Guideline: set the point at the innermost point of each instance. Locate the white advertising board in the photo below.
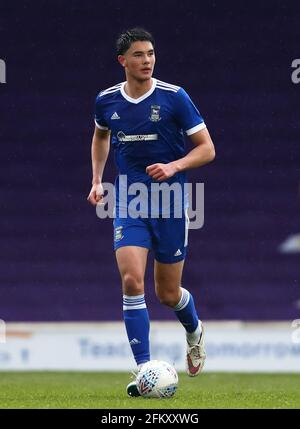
(231, 346)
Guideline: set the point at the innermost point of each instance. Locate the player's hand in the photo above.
(161, 172)
(96, 195)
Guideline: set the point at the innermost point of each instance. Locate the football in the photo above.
(157, 379)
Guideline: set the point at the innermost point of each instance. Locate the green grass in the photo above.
(107, 391)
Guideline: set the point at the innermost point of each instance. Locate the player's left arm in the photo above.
(201, 154)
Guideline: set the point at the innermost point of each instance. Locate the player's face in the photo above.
(139, 60)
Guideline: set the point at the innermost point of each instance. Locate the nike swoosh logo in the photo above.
(193, 369)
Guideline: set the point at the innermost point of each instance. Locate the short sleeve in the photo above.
(99, 117)
(187, 113)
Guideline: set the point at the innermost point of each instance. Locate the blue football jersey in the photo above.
(149, 129)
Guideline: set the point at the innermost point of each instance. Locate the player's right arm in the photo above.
(99, 153)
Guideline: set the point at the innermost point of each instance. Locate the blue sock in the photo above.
(137, 324)
(186, 312)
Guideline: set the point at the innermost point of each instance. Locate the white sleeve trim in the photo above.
(195, 129)
(100, 126)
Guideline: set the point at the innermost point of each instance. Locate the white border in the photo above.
(101, 127)
(143, 97)
(195, 129)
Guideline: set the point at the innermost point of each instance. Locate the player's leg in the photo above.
(132, 242)
(132, 264)
(170, 248)
(167, 279)
(169, 292)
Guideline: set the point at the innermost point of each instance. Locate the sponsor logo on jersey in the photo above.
(122, 137)
(154, 116)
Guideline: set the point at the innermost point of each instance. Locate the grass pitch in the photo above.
(104, 390)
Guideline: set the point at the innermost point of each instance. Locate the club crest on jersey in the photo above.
(155, 111)
(118, 233)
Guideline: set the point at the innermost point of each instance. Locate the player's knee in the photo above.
(133, 284)
(170, 299)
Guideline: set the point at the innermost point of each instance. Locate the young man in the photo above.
(145, 119)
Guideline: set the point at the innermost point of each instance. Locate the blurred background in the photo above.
(234, 59)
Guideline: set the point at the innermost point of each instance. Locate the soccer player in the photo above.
(145, 119)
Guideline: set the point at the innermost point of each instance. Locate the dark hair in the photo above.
(125, 39)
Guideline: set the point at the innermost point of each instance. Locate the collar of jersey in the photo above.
(138, 100)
